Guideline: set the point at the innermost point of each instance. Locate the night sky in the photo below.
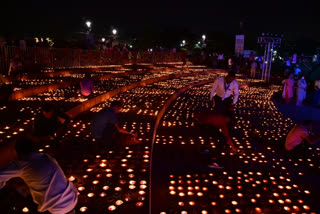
(58, 17)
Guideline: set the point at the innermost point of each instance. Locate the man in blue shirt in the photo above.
(106, 129)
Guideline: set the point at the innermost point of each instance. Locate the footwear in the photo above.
(215, 166)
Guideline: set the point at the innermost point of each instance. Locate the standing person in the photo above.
(222, 90)
(230, 64)
(214, 62)
(316, 96)
(106, 129)
(253, 69)
(301, 90)
(86, 85)
(48, 185)
(16, 66)
(220, 60)
(287, 93)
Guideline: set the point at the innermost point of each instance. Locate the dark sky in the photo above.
(58, 17)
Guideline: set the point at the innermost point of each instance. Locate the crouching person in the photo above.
(107, 131)
(48, 185)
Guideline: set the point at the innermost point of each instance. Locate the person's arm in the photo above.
(8, 172)
(214, 87)
(236, 93)
(307, 138)
(312, 139)
(63, 118)
(124, 131)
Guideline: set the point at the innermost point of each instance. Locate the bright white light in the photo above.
(114, 31)
(183, 41)
(88, 23)
(204, 37)
(130, 46)
(199, 43)
(103, 39)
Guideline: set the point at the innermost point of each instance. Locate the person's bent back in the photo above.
(48, 185)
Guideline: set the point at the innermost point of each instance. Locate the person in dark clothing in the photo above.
(50, 124)
(107, 131)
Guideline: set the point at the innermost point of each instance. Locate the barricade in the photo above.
(38, 58)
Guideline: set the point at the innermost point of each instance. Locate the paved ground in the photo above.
(260, 178)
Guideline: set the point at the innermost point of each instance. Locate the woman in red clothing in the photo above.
(287, 93)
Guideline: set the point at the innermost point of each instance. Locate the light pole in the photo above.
(114, 32)
(88, 24)
(269, 41)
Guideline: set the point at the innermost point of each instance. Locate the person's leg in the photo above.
(217, 101)
(215, 151)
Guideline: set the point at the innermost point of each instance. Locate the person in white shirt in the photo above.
(223, 89)
(301, 90)
(48, 185)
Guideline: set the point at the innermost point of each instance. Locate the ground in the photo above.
(259, 178)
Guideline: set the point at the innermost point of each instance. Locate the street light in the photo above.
(114, 31)
(103, 39)
(88, 23)
(204, 37)
(184, 42)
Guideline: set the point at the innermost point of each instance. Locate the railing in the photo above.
(36, 58)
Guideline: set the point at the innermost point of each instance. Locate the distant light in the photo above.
(114, 31)
(88, 23)
(199, 43)
(130, 46)
(204, 37)
(103, 39)
(183, 41)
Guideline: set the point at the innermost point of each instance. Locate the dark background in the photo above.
(165, 20)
